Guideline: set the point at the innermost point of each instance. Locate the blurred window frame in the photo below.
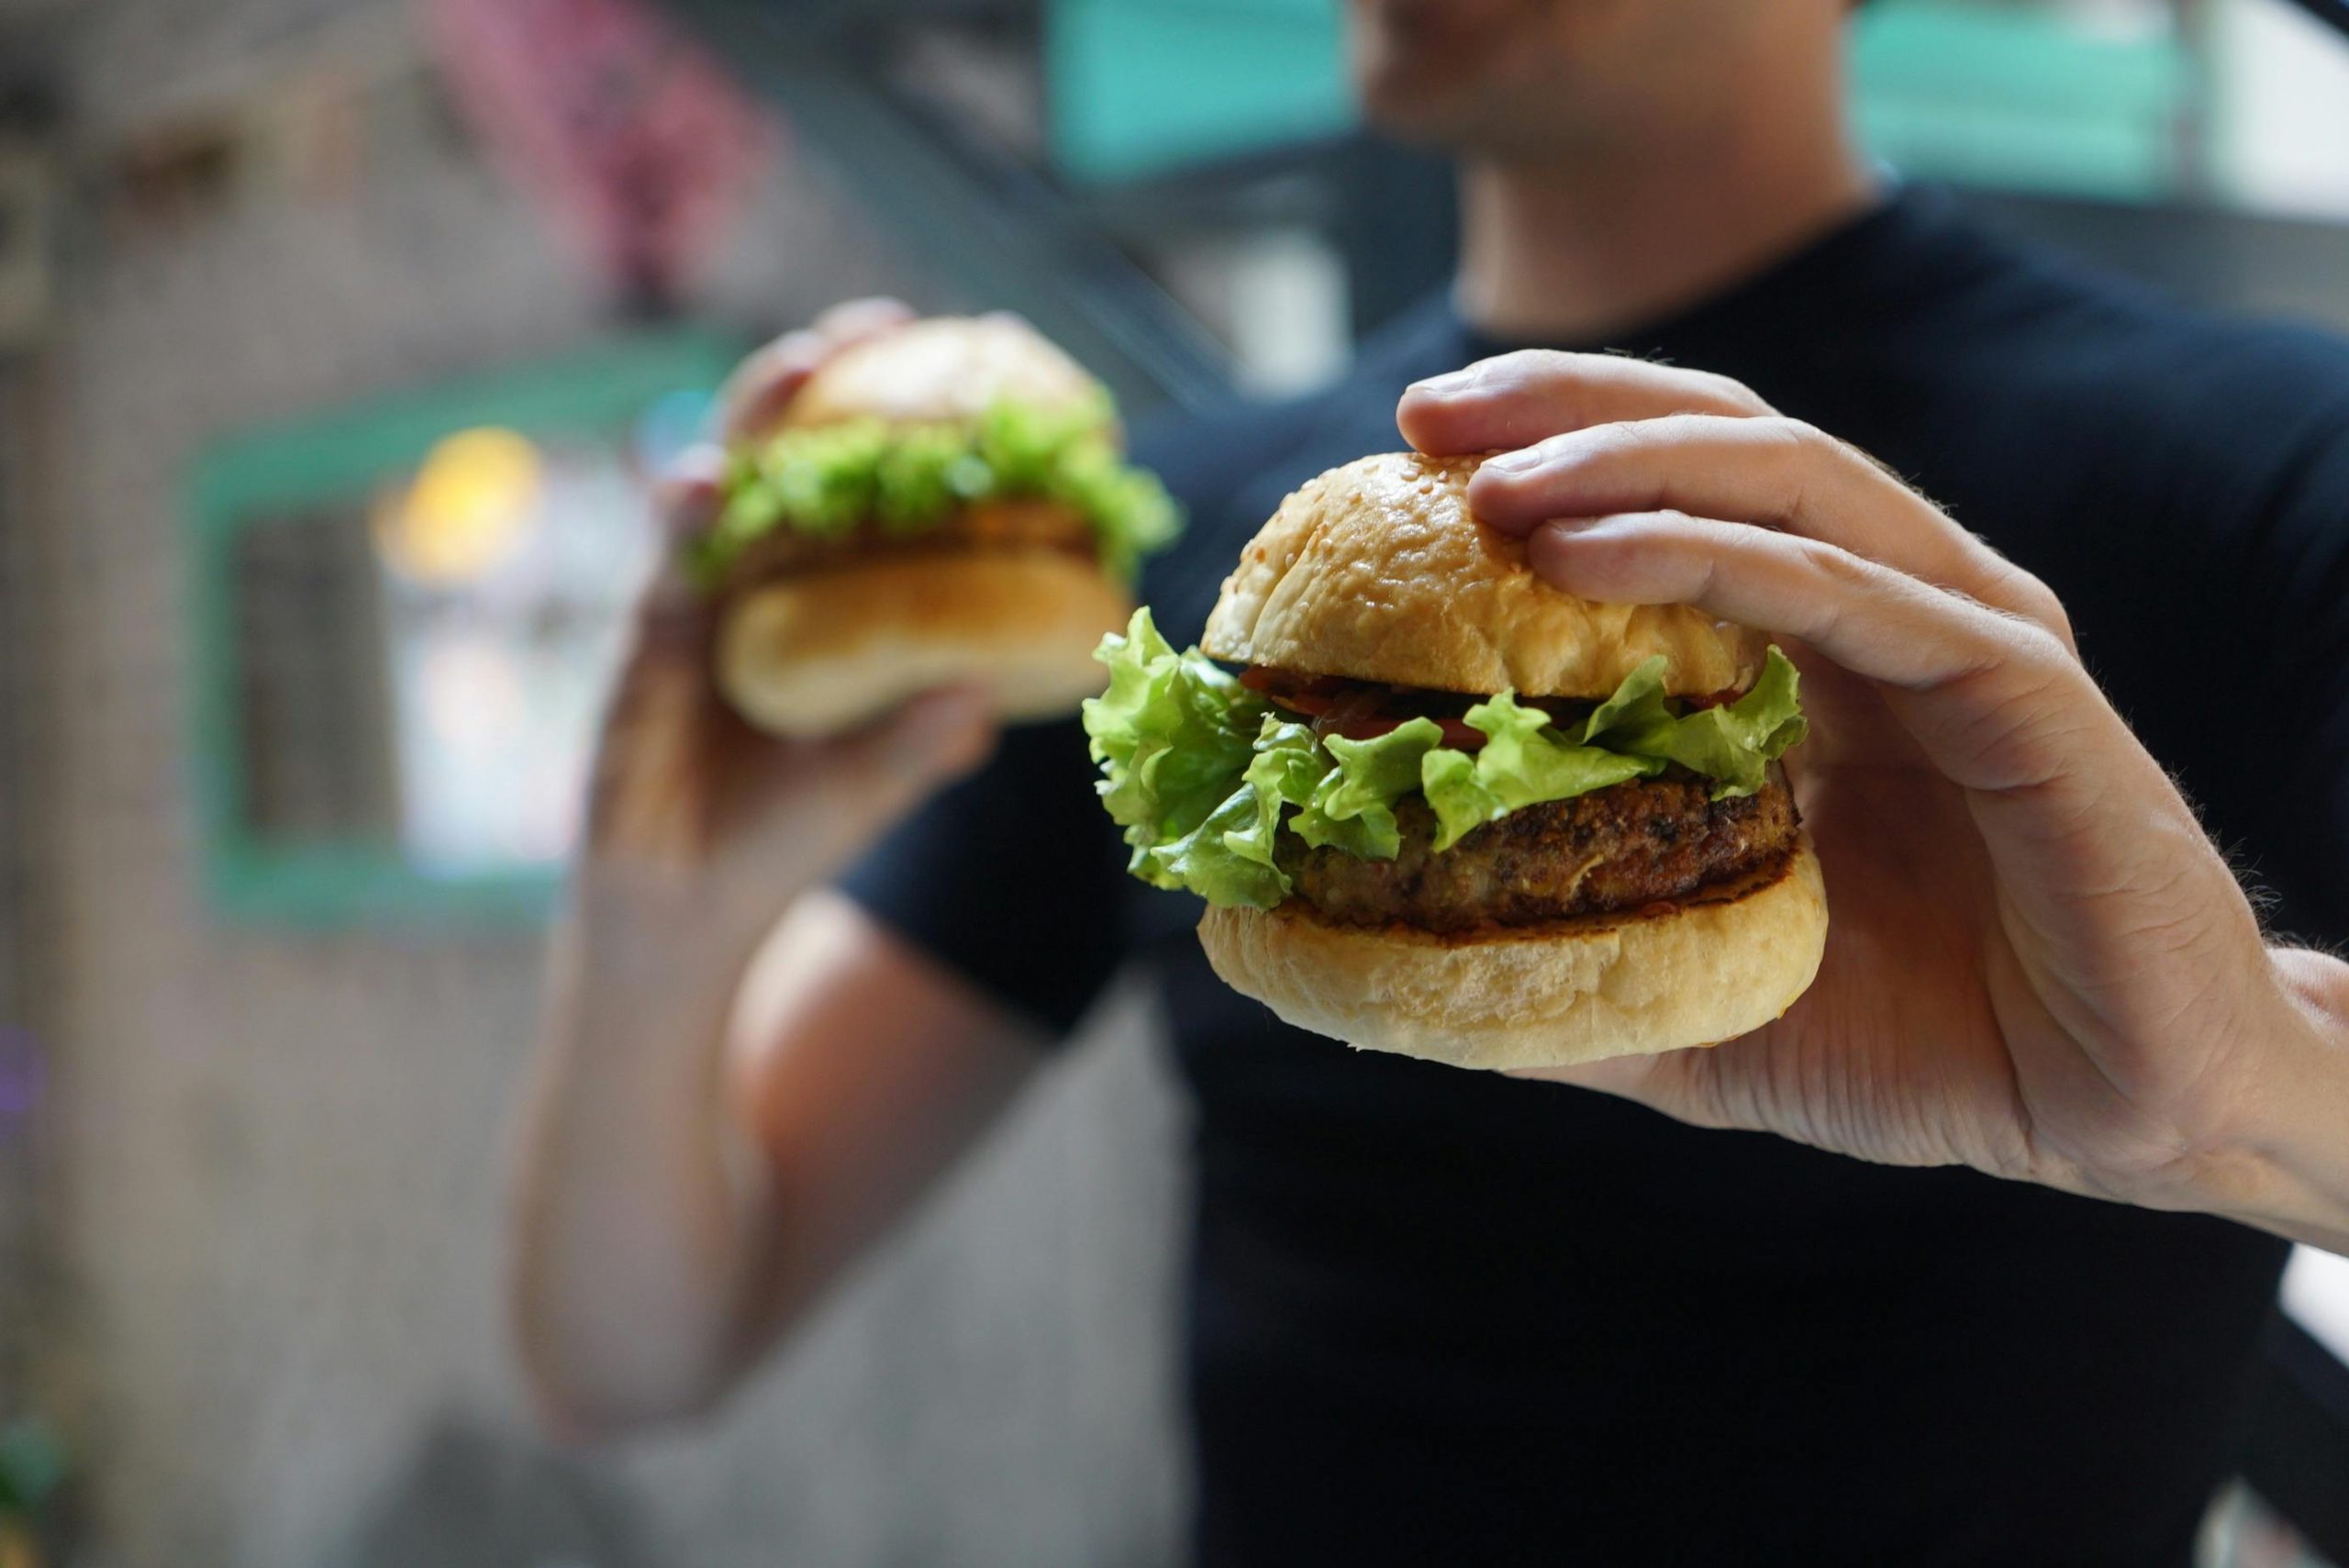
(342, 458)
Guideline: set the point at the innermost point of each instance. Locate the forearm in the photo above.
(637, 1219)
(2292, 1175)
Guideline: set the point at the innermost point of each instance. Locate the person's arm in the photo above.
(699, 1156)
(2037, 963)
(696, 1171)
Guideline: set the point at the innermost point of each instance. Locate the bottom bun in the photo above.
(825, 650)
(1580, 990)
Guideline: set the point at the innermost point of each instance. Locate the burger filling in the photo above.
(1630, 846)
(1016, 478)
(1375, 805)
(1011, 525)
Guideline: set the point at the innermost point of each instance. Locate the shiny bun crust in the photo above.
(825, 650)
(1377, 571)
(1549, 997)
(942, 369)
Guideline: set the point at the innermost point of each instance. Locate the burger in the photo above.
(946, 502)
(1443, 809)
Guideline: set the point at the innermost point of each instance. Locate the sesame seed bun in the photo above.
(1378, 571)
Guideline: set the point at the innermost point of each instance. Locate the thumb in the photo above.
(936, 737)
(874, 775)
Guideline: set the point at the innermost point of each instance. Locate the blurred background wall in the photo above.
(271, 1161)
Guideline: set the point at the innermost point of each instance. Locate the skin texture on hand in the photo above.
(689, 796)
(2038, 964)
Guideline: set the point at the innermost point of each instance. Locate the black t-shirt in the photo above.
(1438, 1316)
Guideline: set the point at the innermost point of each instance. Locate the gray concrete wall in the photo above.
(280, 1161)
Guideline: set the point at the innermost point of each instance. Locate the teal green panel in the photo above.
(1139, 86)
(2003, 95)
(2014, 95)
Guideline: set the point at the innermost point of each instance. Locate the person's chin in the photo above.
(1461, 100)
(1458, 129)
(1405, 100)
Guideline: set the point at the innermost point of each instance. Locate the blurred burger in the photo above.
(946, 502)
(1445, 810)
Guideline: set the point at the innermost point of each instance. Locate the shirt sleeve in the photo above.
(1012, 877)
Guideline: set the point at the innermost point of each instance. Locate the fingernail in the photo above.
(1449, 385)
(1523, 461)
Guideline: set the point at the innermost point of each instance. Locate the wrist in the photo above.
(633, 923)
(2287, 1168)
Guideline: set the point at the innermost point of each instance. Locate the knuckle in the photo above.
(2041, 605)
(1552, 373)
(1611, 438)
(1732, 393)
(1687, 427)
(1610, 460)
(855, 318)
(1789, 450)
(1839, 570)
(1798, 437)
(2041, 657)
(793, 351)
(1520, 368)
(2022, 732)
(2023, 676)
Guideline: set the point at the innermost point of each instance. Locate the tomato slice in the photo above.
(1354, 710)
(1461, 735)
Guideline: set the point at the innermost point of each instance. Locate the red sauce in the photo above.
(1358, 710)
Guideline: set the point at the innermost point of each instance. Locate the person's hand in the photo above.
(687, 799)
(2037, 964)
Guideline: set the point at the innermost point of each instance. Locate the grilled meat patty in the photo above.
(986, 525)
(1647, 842)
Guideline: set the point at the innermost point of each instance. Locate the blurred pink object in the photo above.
(622, 126)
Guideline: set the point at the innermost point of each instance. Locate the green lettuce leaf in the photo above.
(1204, 861)
(1287, 765)
(1167, 731)
(827, 480)
(1732, 744)
(1524, 761)
(1353, 806)
(1204, 775)
(1175, 737)
(922, 474)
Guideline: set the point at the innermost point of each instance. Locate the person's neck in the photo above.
(1571, 249)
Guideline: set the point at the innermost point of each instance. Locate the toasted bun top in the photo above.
(942, 369)
(1377, 571)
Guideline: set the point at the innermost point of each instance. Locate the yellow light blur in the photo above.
(472, 500)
